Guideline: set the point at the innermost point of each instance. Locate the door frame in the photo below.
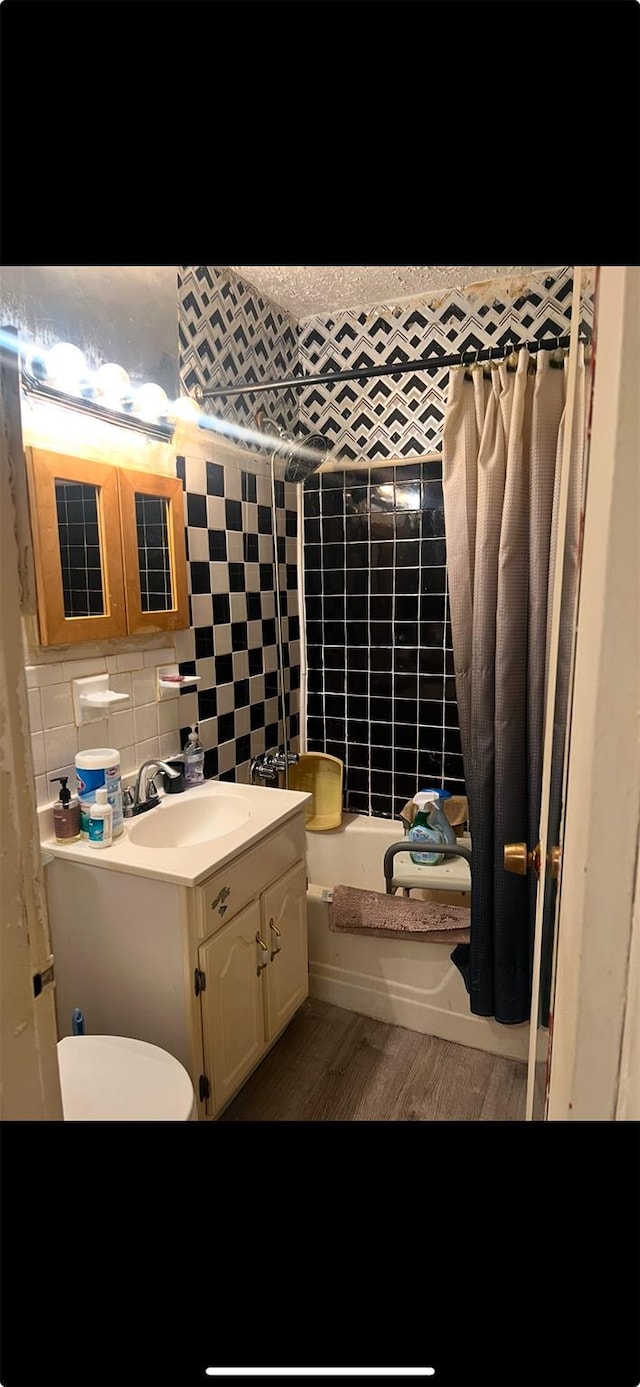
(595, 1053)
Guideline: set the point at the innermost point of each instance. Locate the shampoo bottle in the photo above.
(423, 831)
(66, 814)
(193, 759)
(101, 821)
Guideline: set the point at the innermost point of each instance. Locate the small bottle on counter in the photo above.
(101, 821)
(193, 759)
(66, 814)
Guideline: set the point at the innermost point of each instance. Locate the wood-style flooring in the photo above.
(333, 1065)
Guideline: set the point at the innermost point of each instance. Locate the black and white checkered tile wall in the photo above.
(381, 688)
(387, 417)
(232, 642)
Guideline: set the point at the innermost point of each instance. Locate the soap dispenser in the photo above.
(193, 759)
(66, 813)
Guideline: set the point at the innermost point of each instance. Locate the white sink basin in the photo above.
(178, 823)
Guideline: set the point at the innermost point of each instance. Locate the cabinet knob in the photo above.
(261, 945)
(274, 930)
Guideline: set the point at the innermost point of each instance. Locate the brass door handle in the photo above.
(519, 860)
(261, 945)
(554, 857)
(274, 929)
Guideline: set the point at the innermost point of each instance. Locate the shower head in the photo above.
(301, 457)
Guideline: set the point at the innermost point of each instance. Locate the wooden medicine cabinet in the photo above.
(109, 549)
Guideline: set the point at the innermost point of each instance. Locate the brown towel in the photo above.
(456, 810)
(370, 912)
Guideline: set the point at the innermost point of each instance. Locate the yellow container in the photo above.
(319, 775)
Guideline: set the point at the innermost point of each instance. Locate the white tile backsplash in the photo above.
(146, 750)
(166, 656)
(35, 710)
(146, 721)
(37, 748)
(185, 641)
(188, 709)
(226, 699)
(61, 745)
(40, 675)
(202, 616)
(82, 669)
(145, 686)
(121, 683)
(128, 662)
(168, 719)
(169, 745)
(121, 729)
(196, 475)
(57, 705)
(93, 734)
(226, 756)
(199, 544)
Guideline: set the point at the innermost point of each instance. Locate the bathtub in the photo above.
(407, 982)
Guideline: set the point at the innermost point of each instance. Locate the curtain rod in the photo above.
(400, 368)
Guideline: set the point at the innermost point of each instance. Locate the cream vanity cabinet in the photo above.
(211, 972)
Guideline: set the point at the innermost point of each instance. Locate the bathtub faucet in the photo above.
(269, 765)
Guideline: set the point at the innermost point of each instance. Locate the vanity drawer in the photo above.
(230, 890)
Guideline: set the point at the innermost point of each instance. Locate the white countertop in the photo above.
(185, 866)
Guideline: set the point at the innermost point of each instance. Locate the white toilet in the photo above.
(110, 1078)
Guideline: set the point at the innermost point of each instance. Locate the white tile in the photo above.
(232, 483)
(44, 791)
(52, 780)
(127, 759)
(238, 605)
(145, 686)
(219, 577)
(146, 722)
(216, 513)
(271, 710)
(235, 546)
(38, 676)
(202, 614)
(121, 683)
(145, 751)
(207, 671)
(166, 656)
(57, 705)
(243, 722)
(252, 577)
(169, 745)
(240, 664)
(222, 640)
(268, 604)
(270, 659)
(256, 688)
(112, 664)
(263, 487)
(128, 662)
(188, 709)
(121, 729)
(196, 475)
(242, 773)
(82, 669)
(37, 750)
(93, 734)
(257, 741)
(226, 699)
(35, 709)
(226, 756)
(198, 544)
(60, 745)
(208, 730)
(254, 634)
(168, 717)
(265, 549)
(186, 640)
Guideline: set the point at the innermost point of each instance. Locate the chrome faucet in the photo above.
(139, 800)
(269, 765)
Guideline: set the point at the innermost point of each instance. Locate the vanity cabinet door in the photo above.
(284, 929)
(232, 1008)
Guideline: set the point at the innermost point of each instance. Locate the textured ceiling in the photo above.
(304, 290)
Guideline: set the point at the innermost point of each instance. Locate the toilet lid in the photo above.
(111, 1078)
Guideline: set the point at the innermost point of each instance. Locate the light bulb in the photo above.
(184, 409)
(113, 386)
(150, 402)
(66, 368)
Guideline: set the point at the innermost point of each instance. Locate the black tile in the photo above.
(407, 579)
(221, 609)
(271, 684)
(233, 515)
(357, 633)
(381, 658)
(381, 684)
(335, 681)
(381, 581)
(405, 685)
(207, 703)
(333, 608)
(359, 754)
(314, 657)
(333, 530)
(404, 784)
(357, 658)
(381, 734)
(405, 734)
(256, 716)
(215, 479)
(315, 705)
(224, 669)
(429, 763)
(204, 642)
(312, 582)
(430, 688)
(357, 706)
(181, 470)
(432, 608)
(382, 806)
(256, 660)
(383, 528)
(381, 496)
(357, 528)
(381, 555)
(381, 633)
(450, 690)
(357, 803)
(432, 633)
(430, 739)
(313, 608)
(333, 555)
(200, 581)
(406, 710)
(451, 714)
(433, 580)
(406, 607)
(226, 728)
(196, 510)
(358, 732)
(332, 481)
(405, 659)
(250, 548)
(315, 730)
(236, 577)
(249, 488)
(268, 631)
(408, 553)
(381, 709)
(243, 749)
(430, 713)
(357, 579)
(431, 660)
(239, 635)
(311, 503)
(358, 780)
(432, 497)
(356, 500)
(334, 657)
(334, 633)
(433, 524)
(382, 758)
(433, 553)
(408, 526)
(266, 577)
(405, 762)
(312, 532)
(381, 608)
(381, 782)
(315, 633)
(332, 503)
(357, 556)
(335, 729)
(452, 740)
(405, 633)
(291, 523)
(292, 576)
(265, 525)
(357, 607)
(210, 762)
(279, 492)
(313, 556)
(241, 693)
(449, 665)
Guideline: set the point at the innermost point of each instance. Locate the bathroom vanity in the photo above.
(189, 932)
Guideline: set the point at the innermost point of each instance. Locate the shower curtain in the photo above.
(502, 453)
